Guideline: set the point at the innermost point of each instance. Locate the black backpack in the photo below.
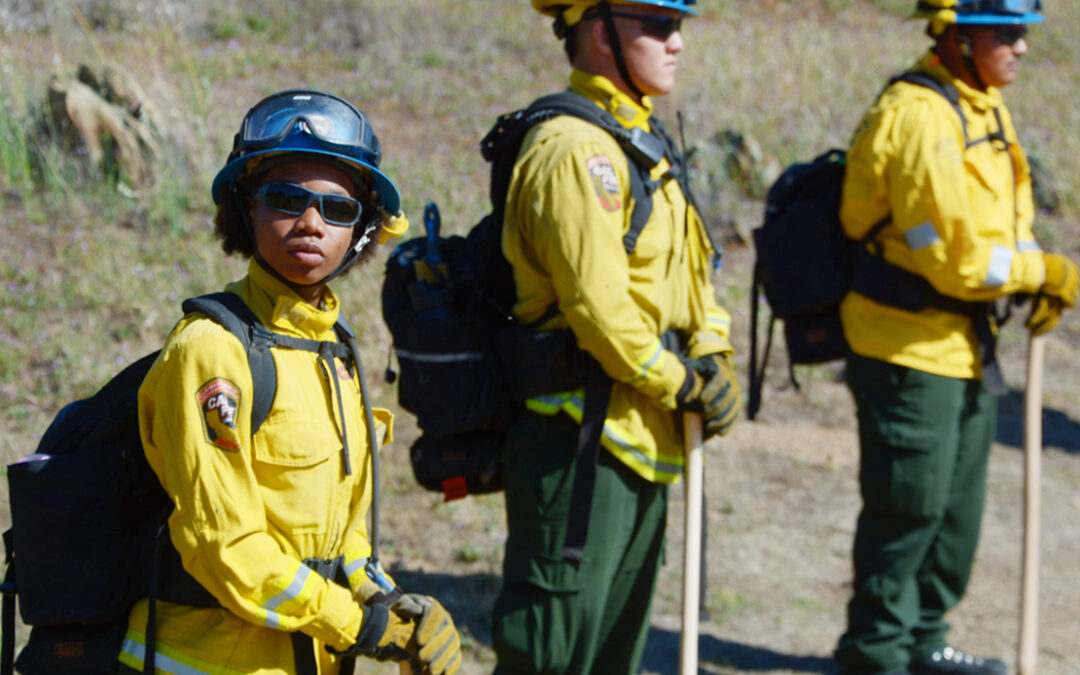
(89, 535)
(805, 265)
(447, 302)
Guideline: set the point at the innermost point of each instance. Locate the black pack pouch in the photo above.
(458, 464)
(540, 362)
(76, 649)
(450, 375)
(815, 338)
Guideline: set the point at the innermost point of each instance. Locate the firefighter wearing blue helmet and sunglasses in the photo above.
(937, 161)
(271, 509)
(587, 466)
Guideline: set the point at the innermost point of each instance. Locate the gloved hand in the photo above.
(438, 646)
(384, 635)
(1045, 313)
(1062, 280)
(712, 390)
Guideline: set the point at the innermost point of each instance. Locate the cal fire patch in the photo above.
(219, 401)
(605, 182)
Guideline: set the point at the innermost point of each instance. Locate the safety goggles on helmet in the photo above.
(292, 199)
(333, 122)
(307, 124)
(659, 27)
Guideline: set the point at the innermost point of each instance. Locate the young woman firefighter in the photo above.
(273, 521)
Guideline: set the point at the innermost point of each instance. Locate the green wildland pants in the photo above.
(924, 448)
(555, 616)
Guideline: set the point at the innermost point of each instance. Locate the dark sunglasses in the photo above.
(659, 27)
(1010, 35)
(291, 199)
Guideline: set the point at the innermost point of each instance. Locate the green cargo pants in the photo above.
(554, 616)
(924, 448)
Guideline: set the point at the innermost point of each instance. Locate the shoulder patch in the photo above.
(219, 401)
(605, 182)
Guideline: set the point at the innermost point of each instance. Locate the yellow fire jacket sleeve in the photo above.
(961, 217)
(249, 510)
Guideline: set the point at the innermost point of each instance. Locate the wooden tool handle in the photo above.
(1029, 597)
(694, 470)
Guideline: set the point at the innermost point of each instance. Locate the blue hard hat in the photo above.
(310, 124)
(681, 5)
(571, 11)
(989, 12)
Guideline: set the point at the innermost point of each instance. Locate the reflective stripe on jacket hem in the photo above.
(166, 659)
(619, 441)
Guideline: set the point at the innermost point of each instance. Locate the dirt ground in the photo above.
(782, 499)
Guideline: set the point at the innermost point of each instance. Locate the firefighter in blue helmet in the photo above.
(579, 575)
(272, 522)
(957, 190)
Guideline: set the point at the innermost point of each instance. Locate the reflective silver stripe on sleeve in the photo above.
(921, 236)
(1028, 246)
(291, 592)
(355, 566)
(1000, 266)
(652, 360)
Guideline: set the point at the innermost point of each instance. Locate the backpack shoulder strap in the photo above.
(643, 150)
(947, 91)
(229, 310)
(235, 316)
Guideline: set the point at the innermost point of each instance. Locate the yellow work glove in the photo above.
(384, 635)
(436, 642)
(711, 389)
(1045, 314)
(1062, 280)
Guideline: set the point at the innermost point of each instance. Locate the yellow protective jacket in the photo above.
(249, 509)
(961, 218)
(567, 209)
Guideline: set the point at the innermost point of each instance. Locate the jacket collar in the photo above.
(603, 93)
(281, 309)
(978, 100)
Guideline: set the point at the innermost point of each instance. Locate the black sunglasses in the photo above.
(1010, 35)
(659, 27)
(292, 199)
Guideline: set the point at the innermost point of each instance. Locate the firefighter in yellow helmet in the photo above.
(951, 186)
(586, 514)
(271, 522)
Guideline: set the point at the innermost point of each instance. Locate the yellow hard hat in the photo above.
(572, 10)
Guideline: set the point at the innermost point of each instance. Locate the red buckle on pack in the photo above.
(454, 487)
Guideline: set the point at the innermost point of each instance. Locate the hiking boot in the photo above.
(949, 661)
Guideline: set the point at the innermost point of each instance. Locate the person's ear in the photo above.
(599, 35)
(963, 42)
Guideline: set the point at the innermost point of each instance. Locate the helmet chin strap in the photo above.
(616, 49)
(967, 54)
